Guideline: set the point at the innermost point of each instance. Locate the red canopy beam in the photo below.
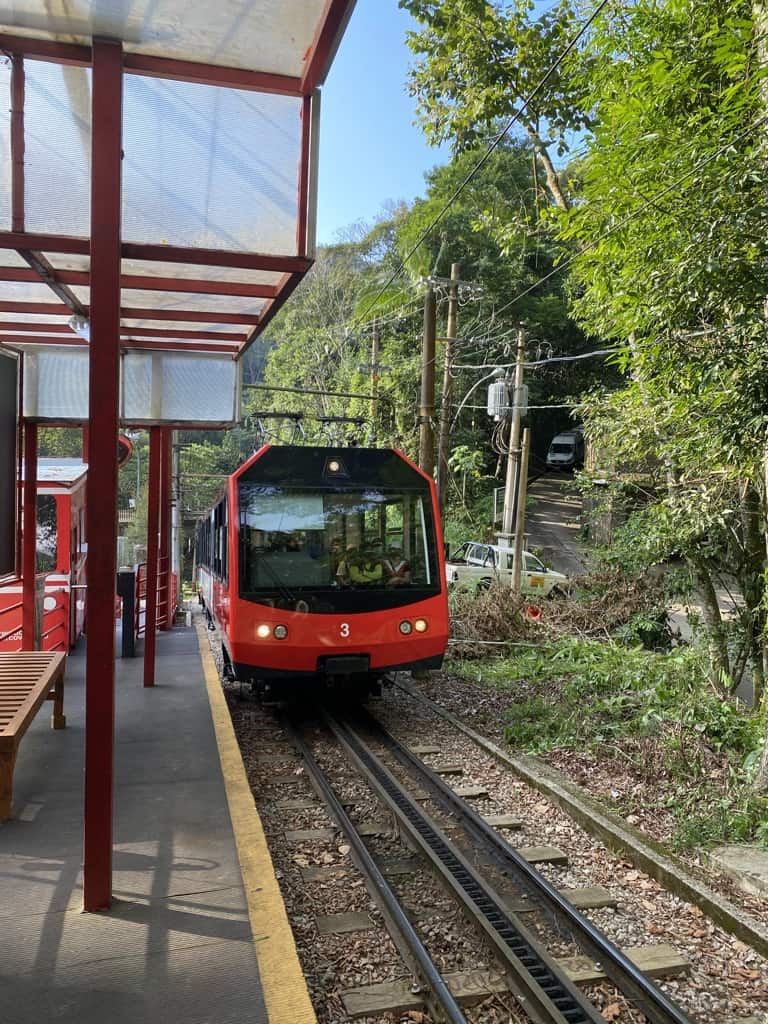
(215, 257)
(19, 239)
(290, 281)
(211, 74)
(154, 284)
(326, 42)
(13, 327)
(45, 49)
(159, 67)
(101, 488)
(12, 340)
(190, 315)
(50, 308)
(202, 316)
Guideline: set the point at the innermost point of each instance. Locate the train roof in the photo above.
(66, 472)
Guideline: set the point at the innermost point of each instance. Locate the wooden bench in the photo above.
(27, 679)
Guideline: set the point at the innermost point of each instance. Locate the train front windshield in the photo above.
(340, 549)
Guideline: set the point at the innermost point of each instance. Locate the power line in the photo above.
(486, 156)
(537, 362)
(636, 213)
(308, 391)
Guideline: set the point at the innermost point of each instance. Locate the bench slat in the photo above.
(27, 680)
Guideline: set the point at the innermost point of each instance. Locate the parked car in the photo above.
(480, 564)
(566, 450)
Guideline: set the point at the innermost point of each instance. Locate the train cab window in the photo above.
(344, 548)
(47, 542)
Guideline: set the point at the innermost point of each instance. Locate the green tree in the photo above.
(672, 249)
(477, 62)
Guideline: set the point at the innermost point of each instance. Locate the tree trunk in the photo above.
(553, 182)
(717, 641)
(753, 584)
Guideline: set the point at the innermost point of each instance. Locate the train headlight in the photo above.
(420, 625)
(405, 627)
(334, 466)
(263, 631)
(280, 632)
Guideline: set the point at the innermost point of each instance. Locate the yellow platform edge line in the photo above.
(286, 996)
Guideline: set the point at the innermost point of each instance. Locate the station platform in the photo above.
(197, 931)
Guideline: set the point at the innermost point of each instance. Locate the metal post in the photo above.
(513, 459)
(153, 524)
(101, 494)
(445, 408)
(522, 490)
(427, 406)
(126, 589)
(29, 538)
(375, 372)
(164, 556)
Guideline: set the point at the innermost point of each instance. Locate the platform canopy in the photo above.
(219, 146)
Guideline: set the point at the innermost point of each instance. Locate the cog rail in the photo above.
(625, 975)
(544, 991)
(433, 990)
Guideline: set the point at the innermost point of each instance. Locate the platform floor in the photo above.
(177, 945)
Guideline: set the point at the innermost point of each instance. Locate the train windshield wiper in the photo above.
(282, 588)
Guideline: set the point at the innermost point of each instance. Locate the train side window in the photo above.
(223, 536)
(47, 542)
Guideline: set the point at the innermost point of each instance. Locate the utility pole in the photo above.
(445, 409)
(522, 490)
(427, 405)
(513, 458)
(375, 371)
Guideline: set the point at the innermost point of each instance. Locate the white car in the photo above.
(480, 564)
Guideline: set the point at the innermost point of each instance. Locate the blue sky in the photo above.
(370, 152)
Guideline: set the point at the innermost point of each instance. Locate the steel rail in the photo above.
(544, 991)
(436, 995)
(643, 993)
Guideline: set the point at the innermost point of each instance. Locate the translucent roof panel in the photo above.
(138, 298)
(57, 157)
(5, 144)
(23, 291)
(133, 297)
(42, 319)
(182, 325)
(179, 387)
(259, 34)
(209, 167)
(193, 271)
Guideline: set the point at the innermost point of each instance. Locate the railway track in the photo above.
(542, 988)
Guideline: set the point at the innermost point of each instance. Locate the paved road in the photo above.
(553, 522)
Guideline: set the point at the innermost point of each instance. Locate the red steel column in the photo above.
(17, 224)
(29, 538)
(101, 495)
(165, 527)
(153, 514)
(19, 472)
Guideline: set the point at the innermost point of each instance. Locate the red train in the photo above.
(61, 556)
(325, 562)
